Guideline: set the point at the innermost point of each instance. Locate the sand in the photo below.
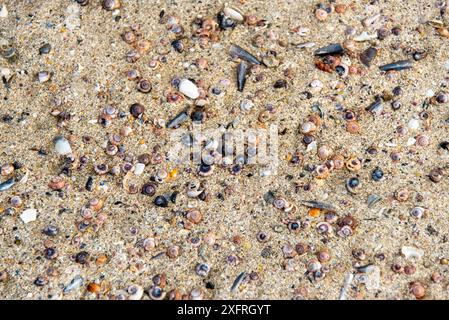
(88, 67)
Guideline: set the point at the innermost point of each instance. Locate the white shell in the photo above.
(138, 169)
(62, 146)
(3, 12)
(28, 215)
(233, 13)
(411, 141)
(246, 105)
(413, 124)
(412, 252)
(189, 89)
(364, 36)
(136, 295)
(43, 76)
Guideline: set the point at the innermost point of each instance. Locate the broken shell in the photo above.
(188, 88)
(308, 127)
(364, 36)
(241, 75)
(373, 199)
(367, 56)
(241, 53)
(397, 66)
(7, 184)
(43, 76)
(233, 13)
(412, 252)
(178, 120)
(62, 146)
(331, 49)
(28, 215)
(319, 205)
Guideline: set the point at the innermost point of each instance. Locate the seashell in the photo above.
(194, 216)
(345, 231)
(161, 175)
(373, 199)
(319, 205)
(331, 49)
(288, 251)
(149, 243)
(436, 23)
(156, 293)
(413, 124)
(280, 203)
(56, 183)
(233, 13)
(225, 22)
(62, 146)
(196, 294)
(368, 22)
(316, 85)
(302, 31)
(3, 12)
(324, 228)
(138, 168)
(110, 5)
(178, 119)
(289, 207)
(188, 88)
(352, 185)
(178, 45)
(7, 184)
(412, 252)
(322, 171)
(364, 36)
(376, 107)
(304, 45)
(211, 145)
(417, 212)
(205, 170)
(75, 283)
(43, 76)
(28, 215)
(135, 292)
(342, 70)
(241, 75)
(246, 105)
(346, 284)
(202, 269)
(238, 281)
(368, 55)
(308, 127)
(241, 53)
(313, 265)
(397, 66)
